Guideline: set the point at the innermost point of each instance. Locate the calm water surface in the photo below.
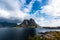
(46, 30)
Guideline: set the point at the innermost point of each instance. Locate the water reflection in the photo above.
(21, 33)
(16, 33)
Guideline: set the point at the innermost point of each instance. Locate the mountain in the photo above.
(12, 20)
(7, 24)
(57, 27)
(28, 23)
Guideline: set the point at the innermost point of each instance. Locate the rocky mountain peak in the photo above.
(28, 23)
(32, 22)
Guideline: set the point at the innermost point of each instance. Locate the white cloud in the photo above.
(52, 8)
(47, 23)
(29, 7)
(4, 14)
(15, 12)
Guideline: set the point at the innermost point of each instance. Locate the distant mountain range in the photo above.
(58, 27)
(7, 24)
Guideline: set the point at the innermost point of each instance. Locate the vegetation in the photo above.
(47, 36)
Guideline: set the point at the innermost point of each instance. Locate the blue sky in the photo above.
(44, 12)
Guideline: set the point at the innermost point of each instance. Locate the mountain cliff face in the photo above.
(28, 23)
